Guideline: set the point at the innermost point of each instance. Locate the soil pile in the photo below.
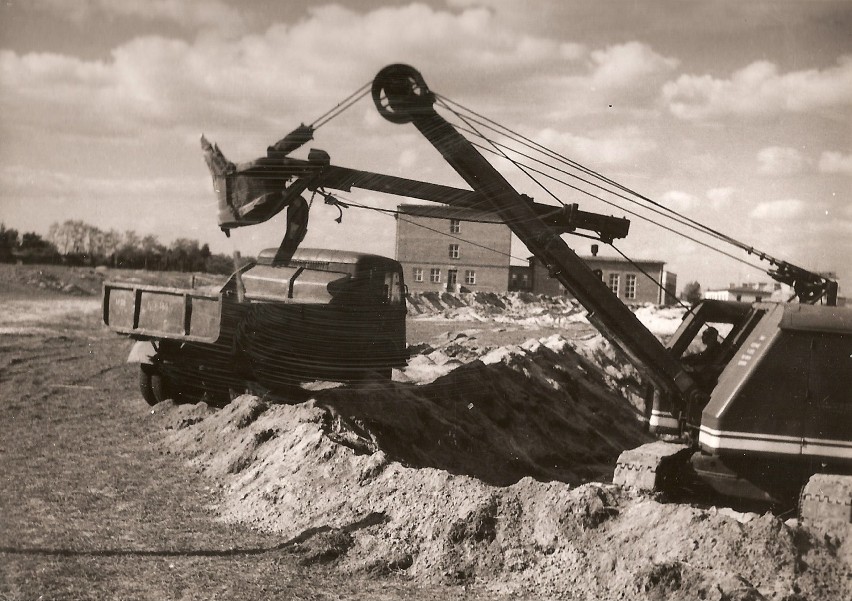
(480, 475)
(56, 279)
(521, 308)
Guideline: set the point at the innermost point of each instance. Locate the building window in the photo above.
(435, 275)
(470, 277)
(452, 276)
(455, 226)
(614, 281)
(418, 274)
(630, 285)
(454, 251)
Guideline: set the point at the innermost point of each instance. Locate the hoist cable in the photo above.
(663, 212)
(545, 150)
(667, 228)
(583, 191)
(634, 213)
(640, 216)
(340, 108)
(648, 275)
(504, 155)
(400, 215)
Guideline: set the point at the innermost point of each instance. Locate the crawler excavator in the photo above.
(767, 418)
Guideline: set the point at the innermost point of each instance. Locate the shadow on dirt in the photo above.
(493, 422)
(372, 519)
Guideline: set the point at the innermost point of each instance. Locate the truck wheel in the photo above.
(152, 385)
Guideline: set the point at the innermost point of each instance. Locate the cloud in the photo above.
(16, 181)
(780, 161)
(760, 90)
(778, 209)
(617, 147)
(170, 207)
(189, 14)
(287, 73)
(407, 158)
(679, 201)
(835, 162)
(628, 65)
(720, 198)
(618, 79)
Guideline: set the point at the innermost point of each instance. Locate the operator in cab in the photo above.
(710, 339)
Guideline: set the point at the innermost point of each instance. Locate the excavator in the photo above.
(767, 418)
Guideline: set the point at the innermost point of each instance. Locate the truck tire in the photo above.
(152, 385)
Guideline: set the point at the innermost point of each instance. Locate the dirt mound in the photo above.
(526, 309)
(24, 280)
(515, 307)
(474, 477)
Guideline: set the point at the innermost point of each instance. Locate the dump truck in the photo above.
(767, 419)
(276, 323)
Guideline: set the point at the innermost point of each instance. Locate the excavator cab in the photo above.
(703, 358)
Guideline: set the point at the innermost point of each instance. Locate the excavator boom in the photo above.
(402, 96)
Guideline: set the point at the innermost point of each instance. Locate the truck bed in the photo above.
(145, 311)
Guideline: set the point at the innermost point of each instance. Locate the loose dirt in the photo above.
(488, 466)
(481, 471)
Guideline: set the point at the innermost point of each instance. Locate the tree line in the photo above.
(74, 242)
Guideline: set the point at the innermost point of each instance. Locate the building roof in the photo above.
(448, 212)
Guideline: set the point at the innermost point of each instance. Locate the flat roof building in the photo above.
(628, 280)
(449, 248)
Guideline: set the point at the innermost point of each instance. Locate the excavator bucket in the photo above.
(253, 192)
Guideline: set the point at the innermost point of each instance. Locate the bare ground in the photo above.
(387, 492)
(91, 508)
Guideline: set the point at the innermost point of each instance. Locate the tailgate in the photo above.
(158, 312)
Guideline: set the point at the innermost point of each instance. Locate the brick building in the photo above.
(626, 280)
(448, 248)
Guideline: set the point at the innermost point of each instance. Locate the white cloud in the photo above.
(835, 162)
(780, 161)
(287, 73)
(628, 65)
(618, 147)
(165, 206)
(720, 198)
(186, 13)
(679, 201)
(407, 158)
(760, 90)
(16, 180)
(618, 79)
(778, 209)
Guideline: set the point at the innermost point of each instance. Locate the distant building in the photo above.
(520, 278)
(448, 248)
(628, 281)
(751, 292)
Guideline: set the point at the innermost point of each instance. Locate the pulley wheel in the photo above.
(399, 91)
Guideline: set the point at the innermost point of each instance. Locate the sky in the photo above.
(738, 115)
